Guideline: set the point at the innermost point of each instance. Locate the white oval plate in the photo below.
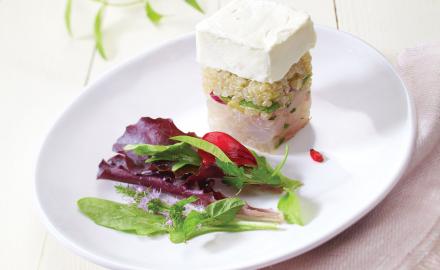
(362, 120)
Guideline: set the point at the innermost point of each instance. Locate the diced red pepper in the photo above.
(237, 152)
(316, 156)
(216, 98)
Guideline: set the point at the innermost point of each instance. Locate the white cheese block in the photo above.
(255, 39)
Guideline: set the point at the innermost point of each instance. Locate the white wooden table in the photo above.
(42, 70)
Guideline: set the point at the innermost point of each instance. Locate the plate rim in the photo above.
(79, 250)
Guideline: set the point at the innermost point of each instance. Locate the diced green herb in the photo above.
(225, 99)
(293, 110)
(203, 145)
(289, 205)
(286, 126)
(273, 117)
(181, 152)
(249, 104)
(306, 78)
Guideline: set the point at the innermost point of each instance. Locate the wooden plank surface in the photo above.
(391, 25)
(42, 70)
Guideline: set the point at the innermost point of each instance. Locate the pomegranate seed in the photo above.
(316, 156)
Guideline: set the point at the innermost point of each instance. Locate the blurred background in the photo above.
(43, 69)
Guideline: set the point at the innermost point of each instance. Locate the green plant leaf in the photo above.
(224, 211)
(190, 224)
(97, 31)
(181, 152)
(203, 145)
(234, 175)
(67, 15)
(195, 5)
(153, 15)
(122, 217)
(238, 226)
(263, 174)
(289, 205)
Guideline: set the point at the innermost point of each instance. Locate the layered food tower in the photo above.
(257, 70)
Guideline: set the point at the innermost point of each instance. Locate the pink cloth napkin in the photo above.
(402, 232)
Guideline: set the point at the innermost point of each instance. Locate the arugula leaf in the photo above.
(181, 152)
(263, 174)
(224, 211)
(122, 217)
(269, 109)
(203, 145)
(97, 31)
(195, 5)
(289, 205)
(153, 15)
(67, 15)
(234, 175)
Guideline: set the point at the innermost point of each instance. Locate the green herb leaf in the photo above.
(263, 174)
(289, 205)
(153, 15)
(97, 31)
(195, 5)
(67, 15)
(224, 211)
(275, 106)
(178, 232)
(130, 192)
(191, 223)
(234, 175)
(218, 217)
(181, 152)
(203, 145)
(122, 217)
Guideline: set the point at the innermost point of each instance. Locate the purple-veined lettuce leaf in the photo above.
(130, 168)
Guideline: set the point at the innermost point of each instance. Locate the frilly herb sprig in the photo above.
(153, 15)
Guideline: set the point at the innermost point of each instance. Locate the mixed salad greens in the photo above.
(171, 179)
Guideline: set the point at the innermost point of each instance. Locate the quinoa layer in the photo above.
(257, 98)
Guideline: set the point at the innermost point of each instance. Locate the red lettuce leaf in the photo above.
(130, 168)
(148, 131)
(122, 169)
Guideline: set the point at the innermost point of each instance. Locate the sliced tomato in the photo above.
(237, 152)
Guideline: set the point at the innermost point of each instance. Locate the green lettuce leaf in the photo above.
(203, 145)
(182, 153)
(289, 205)
(122, 217)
